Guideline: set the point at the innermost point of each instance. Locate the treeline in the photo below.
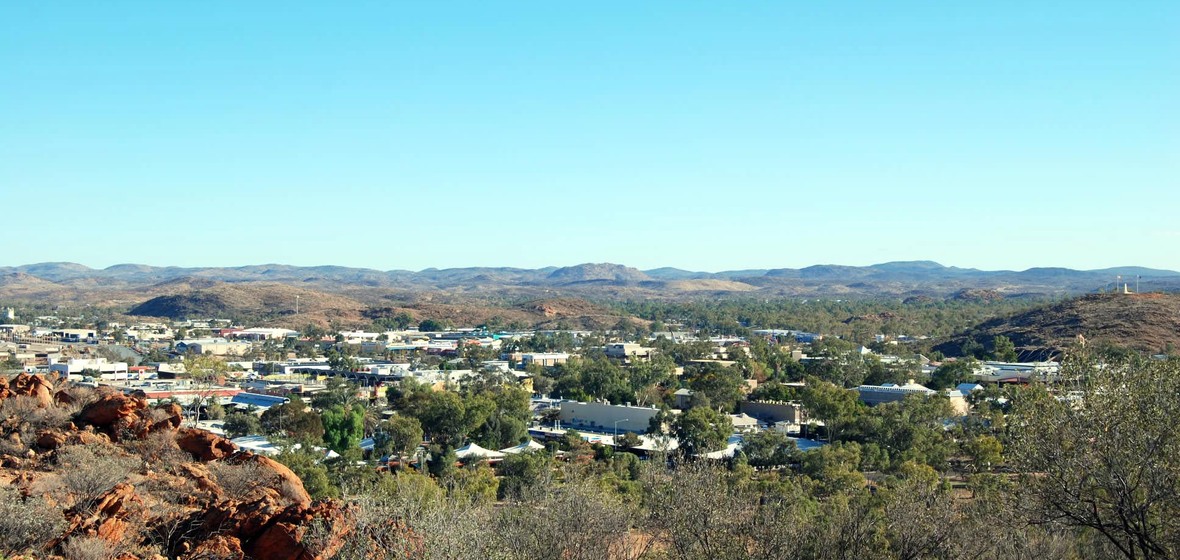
(856, 320)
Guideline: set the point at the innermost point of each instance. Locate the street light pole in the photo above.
(615, 440)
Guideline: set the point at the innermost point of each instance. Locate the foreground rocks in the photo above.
(149, 488)
(25, 385)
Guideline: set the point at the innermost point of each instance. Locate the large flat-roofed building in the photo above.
(546, 359)
(107, 370)
(627, 350)
(215, 346)
(877, 394)
(773, 412)
(605, 417)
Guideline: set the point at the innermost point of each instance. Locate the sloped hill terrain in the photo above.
(568, 312)
(21, 285)
(1145, 322)
(251, 300)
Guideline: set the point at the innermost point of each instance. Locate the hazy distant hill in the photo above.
(1147, 322)
(597, 272)
(904, 279)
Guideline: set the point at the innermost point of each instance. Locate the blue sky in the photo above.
(994, 135)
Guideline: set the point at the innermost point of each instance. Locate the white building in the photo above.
(107, 370)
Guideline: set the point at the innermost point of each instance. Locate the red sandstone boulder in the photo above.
(283, 479)
(205, 446)
(285, 538)
(51, 439)
(218, 546)
(108, 519)
(199, 474)
(266, 530)
(175, 414)
(35, 386)
(112, 409)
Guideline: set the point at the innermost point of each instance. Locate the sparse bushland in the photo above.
(27, 524)
(1102, 455)
(89, 471)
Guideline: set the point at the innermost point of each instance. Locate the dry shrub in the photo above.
(159, 451)
(291, 491)
(26, 524)
(169, 519)
(89, 471)
(242, 479)
(87, 548)
(82, 396)
(19, 406)
(22, 418)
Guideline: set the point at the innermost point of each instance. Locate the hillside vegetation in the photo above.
(1145, 322)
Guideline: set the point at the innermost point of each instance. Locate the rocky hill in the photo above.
(1146, 322)
(251, 300)
(88, 474)
(597, 272)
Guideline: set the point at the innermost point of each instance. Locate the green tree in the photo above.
(628, 440)
(293, 420)
(444, 418)
(241, 424)
(339, 361)
(985, 451)
(702, 430)
(720, 384)
(769, 448)
(397, 436)
(337, 392)
(1105, 457)
(833, 405)
(951, 374)
(522, 472)
(206, 372)
(343, 427)
(1003, 349)
(305, 463)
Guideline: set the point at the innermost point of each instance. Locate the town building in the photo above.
(607, 418)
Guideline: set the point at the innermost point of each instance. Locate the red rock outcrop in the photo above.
(218, 546)
(109, 410)
(35, 386)
(175, 414)
(108, 518)
(265, 530)
(64, 398)
(275, 519)
(284, 480)
(203, 445)
(51, 439)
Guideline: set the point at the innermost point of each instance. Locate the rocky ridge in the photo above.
(108, 470)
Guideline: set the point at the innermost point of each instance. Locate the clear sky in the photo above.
(705, 136)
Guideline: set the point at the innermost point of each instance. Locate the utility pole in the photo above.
(615, 440)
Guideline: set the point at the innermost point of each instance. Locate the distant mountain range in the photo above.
(896, 279)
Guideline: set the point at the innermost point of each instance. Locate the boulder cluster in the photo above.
(178, 492)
